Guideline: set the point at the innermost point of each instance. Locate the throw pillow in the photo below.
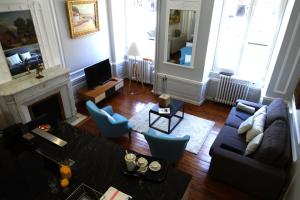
(25, 56)
(243, 107)
(253, 144)
(246, 125)
(14, 59)
(263, 110)
(257, 128)
(110, 118)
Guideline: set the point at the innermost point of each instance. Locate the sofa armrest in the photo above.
(247, 174)
(249, 103)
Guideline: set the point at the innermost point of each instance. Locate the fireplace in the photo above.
(27, 98)
(52, 105)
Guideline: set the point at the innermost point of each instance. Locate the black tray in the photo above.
(158, 176)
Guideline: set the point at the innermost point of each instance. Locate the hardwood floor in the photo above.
(202, 185)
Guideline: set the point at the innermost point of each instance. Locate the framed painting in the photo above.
(83, 17)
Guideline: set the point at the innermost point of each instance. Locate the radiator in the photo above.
(231, 89)
(146, 66)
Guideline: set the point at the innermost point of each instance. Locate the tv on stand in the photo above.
(98, 74)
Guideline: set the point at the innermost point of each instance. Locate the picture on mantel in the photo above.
(19, 41)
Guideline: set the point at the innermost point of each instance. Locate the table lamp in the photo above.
(135, 71)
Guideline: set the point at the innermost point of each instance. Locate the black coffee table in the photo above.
(175, 106)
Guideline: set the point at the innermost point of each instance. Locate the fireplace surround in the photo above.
(18, 95)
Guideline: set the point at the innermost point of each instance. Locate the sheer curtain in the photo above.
(187, 24)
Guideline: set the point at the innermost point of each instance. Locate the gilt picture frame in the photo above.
(83, 17)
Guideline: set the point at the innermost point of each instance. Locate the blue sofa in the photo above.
(264, 173)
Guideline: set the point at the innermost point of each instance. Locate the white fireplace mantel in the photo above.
(17, 94)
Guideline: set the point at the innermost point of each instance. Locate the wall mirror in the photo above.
(19, 41)
(181, 37)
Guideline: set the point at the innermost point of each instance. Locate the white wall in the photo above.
(286, 71)
(86, 50)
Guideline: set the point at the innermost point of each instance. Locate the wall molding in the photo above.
(198, 103)
(58, 36)
(177, 78)
(190, 91)
(283, 66)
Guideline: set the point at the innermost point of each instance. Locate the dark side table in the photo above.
(175, 106)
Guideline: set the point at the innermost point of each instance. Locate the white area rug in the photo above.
(197, 128)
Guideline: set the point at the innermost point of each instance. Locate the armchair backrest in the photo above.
(101, 120)
(167, 147)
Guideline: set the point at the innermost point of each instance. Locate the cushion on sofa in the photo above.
(262, 110)
(275, 147)
(253, 144)
(257, 127)
(246, 108)
(249, 103)
(275, 111)
(236, 117)
(246, 125)
(230, 140)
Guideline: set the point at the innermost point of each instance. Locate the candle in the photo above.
(65, 171)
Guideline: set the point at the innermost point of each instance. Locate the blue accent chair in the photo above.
(109, 128)
(185, 51)
(166, 147)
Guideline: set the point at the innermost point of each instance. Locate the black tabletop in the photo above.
(99, 165)
(175, 105)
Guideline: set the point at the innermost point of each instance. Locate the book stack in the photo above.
(115, 194)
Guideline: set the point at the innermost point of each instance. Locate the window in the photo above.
(247, 34)
(141, 25)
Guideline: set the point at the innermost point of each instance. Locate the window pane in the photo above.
(232, 32)
(260, 40)
(141, 25)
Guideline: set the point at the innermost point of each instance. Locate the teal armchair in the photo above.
(185, 51)
(166, 147)
(110, 127)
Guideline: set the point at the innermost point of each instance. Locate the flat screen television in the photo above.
(98, 74)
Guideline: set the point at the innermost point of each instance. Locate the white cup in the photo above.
(130, 161)
(142, 163)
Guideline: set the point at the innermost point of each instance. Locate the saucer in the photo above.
(143, 171)
(154, 166)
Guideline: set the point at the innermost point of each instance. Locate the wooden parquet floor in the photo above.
(202, 185)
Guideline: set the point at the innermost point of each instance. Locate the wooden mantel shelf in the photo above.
(101, 92)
